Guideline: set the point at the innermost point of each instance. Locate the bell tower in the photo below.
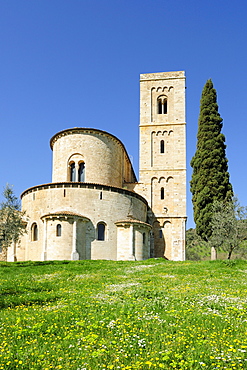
(162, 177)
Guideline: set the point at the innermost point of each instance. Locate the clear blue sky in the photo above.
(69, 63)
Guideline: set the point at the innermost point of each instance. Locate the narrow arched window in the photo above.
(160, 234)
(162, 104)
(59, 230)
(144, 238)
(81, 172)
(101, 231)
(159, 106)
(162, 193)
(162, 146)
(165, 106)
(72, 171)
(34, 232)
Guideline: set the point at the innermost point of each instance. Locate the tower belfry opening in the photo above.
(162, 105)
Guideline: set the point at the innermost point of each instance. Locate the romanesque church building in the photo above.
(95, 207)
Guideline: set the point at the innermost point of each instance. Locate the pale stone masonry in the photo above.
(94, 208)
(163, 160)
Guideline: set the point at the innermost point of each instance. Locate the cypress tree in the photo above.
(210, 178)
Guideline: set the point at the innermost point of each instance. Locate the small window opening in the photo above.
(159, 106)
(72, 172)
(101, 231)
(33, 196)
(64, 192)
(144, 238)
(165, 106)
(160, 234)
(162, 146)
(34, 232)
(81, 172)
(59, 230)
(162, 105)
(100, 195)
(162, 193)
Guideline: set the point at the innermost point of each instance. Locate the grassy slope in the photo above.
(123, 315)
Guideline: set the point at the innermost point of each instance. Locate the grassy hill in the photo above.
(154, 314)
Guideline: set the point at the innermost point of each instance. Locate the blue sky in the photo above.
(69, 63)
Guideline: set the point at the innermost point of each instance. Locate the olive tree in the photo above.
(229, 226)
(11, 218)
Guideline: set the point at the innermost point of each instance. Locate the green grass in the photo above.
(154, 314)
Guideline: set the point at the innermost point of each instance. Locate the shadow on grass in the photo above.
(8, 300)
(32, 263)
(38, 295)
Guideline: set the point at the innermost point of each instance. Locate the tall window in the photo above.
(59, 230)
(165, 106)
(144, 238)
(162, 146)
(162, 104)
(162, 193)
(72, 172)
(34, 232)
(159, 106)
(81, 172)
(101, 231)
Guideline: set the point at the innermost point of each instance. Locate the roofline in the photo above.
(132, 221)
(63, 214)
(172, 75)
(88, 185)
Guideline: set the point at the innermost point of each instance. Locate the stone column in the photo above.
(76, 172)
(183, 240)
(74, 254)
(44, 251)
(11, 252)
(131, 241)
(213, 254)
(139, 252)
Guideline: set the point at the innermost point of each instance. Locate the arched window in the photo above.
(162, 104)
(101, 231)
(72, 171)
(144, 238)
(34, 232)
(165, 106)
(162, 193)
(162, 146)
(59, 230)
(160, 234)
(81, 172)
(159, 106)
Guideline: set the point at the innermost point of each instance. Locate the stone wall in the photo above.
(104, 156)
(3, 254)
(89, 204)
(163, 159)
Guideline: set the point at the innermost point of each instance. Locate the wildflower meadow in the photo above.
(154, 314)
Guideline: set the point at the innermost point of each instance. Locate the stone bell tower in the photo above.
(162, 178)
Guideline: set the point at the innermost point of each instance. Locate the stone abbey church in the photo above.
(95, 208)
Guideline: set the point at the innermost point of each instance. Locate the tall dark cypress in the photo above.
(210, 178)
